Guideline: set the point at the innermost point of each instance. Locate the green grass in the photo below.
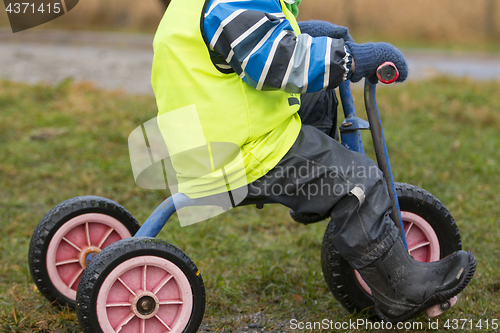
(62, 141)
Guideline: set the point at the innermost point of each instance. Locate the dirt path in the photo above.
(110, 60)
(123, 61)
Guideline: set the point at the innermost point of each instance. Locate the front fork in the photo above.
(351, 139)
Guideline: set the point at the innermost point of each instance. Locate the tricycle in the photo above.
(91, 254)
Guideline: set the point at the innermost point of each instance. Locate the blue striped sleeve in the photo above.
(254, 39)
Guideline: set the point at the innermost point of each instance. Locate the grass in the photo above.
(62, 141)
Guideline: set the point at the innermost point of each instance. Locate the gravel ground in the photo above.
(123, 61)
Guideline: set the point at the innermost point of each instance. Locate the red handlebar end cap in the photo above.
(387, 72)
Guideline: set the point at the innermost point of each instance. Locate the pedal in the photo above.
(439, 309)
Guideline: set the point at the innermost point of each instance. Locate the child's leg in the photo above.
(319, 175)
(319, 109)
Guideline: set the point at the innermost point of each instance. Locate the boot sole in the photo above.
(436, 298)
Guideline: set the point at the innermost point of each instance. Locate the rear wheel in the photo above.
(141, 285)
(431, 234)
(70, 234)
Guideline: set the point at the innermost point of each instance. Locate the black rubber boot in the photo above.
(403, 287)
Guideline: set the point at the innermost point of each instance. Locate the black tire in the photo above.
(52, 222)
(103, 265)
(339, 275)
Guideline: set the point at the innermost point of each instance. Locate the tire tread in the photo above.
(51, 222)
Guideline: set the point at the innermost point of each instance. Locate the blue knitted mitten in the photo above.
(321, 28)
(368, 57)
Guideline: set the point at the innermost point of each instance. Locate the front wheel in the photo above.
(141, 285)
(431, 234)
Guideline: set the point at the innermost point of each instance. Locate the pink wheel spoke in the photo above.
(163, 323)
(70, 261)
(144, 269)
(168, 311)
(105, 237)
(125, 285)
(173, 301)
(124, 322)
(163, 282)
(77, 275)
(419, 245)
(71, 243)
(87, 233)
(408, 230)
(114, 305)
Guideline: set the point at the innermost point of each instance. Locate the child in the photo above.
(239, 66)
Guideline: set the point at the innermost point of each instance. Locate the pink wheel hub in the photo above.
(145, 304)
(146, 294)
(422, 241)
(73, 242)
